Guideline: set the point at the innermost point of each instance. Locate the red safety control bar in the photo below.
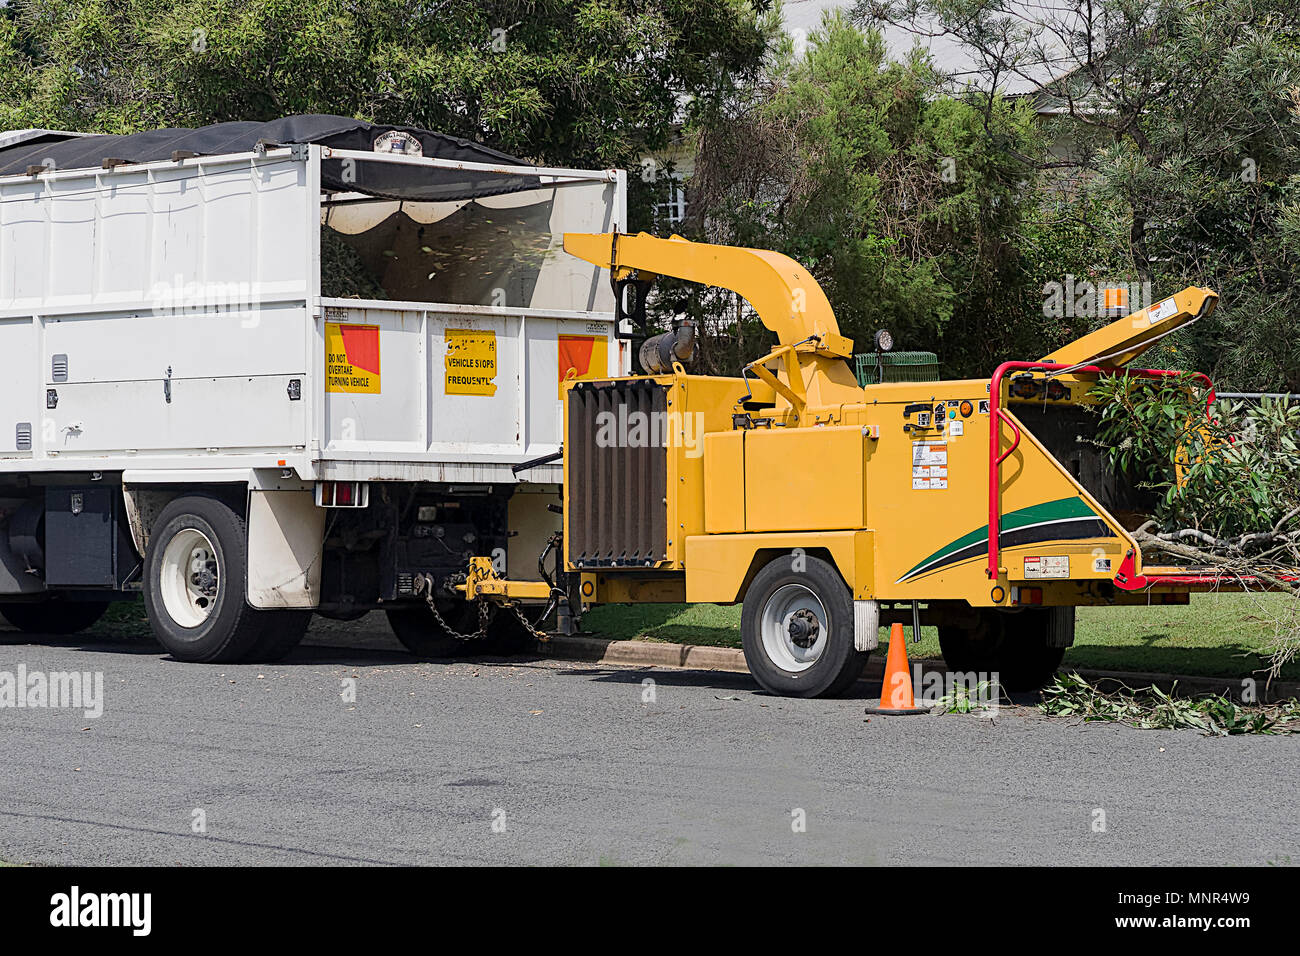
(1127, 578)
(997, 457)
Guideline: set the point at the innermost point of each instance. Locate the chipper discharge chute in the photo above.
(830, 509)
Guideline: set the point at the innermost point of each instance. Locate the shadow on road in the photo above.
(716, 680)
(89, 641)
(356, 644)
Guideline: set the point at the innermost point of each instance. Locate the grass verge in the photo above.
(1216, 635)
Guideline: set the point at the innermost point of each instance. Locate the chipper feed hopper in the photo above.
(830, 509)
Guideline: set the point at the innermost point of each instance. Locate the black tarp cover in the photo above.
(387, 180)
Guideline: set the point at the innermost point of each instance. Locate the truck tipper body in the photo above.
(259, 370)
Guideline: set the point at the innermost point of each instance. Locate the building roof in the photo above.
(949, 56)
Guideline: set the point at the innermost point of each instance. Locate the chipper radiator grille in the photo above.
(617, 474)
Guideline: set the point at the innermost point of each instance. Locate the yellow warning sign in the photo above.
(351, 357)
(471, 362)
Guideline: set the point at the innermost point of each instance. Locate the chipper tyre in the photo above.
(797, 629)
(53, 616)
(195, 569)
(1011, 645)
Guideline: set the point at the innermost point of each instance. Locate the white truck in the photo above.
(257, 371)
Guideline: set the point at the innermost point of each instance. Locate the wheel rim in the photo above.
(794, 626)
(190, 578)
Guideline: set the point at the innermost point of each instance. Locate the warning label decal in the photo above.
(351, 358)
(1162, 310)
(471, 362)
(929, 465)
(1047, 566)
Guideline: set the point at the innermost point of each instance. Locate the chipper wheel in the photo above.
(194, 574)
(1013, 645)
(797, 629)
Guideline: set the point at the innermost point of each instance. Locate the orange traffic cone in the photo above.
(896, 691)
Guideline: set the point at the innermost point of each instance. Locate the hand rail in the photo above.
(997, 457)
(1014, 445)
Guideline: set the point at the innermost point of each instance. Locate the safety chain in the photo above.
(528, 625)
(484, 616)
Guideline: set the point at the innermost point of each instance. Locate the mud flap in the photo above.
(1060, 627)
(866, 625)
(286, 536)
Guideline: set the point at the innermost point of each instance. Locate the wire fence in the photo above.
(1259, 396)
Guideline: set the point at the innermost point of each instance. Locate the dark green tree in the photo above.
(1178, 135)
(901, 201)
(565, 81)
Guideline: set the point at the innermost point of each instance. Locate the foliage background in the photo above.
(901, 202)
(567, 82)
(935, 207)
(1182, 162)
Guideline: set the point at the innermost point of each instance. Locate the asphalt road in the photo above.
(537, 761)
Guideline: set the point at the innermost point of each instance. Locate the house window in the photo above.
(672, 212)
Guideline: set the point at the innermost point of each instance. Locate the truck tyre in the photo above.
(346, 616)
(194, 576)
(1012, 645)
(53, 616)
(797, 629)
(507, 634)
(422, 635)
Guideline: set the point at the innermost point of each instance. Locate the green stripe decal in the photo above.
(1060, 510)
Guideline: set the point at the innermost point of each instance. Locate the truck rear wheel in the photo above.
(508, 635)
(422, 635)
(53, 616)
(194, 576)
(284, 630)
(1011, 644)
(797, 629)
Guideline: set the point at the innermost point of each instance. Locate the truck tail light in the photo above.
(342, 494)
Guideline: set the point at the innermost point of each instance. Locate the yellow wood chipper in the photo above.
(830, 509)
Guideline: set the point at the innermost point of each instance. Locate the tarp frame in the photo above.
(547, 176)
(81, 172)
(554, 173)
